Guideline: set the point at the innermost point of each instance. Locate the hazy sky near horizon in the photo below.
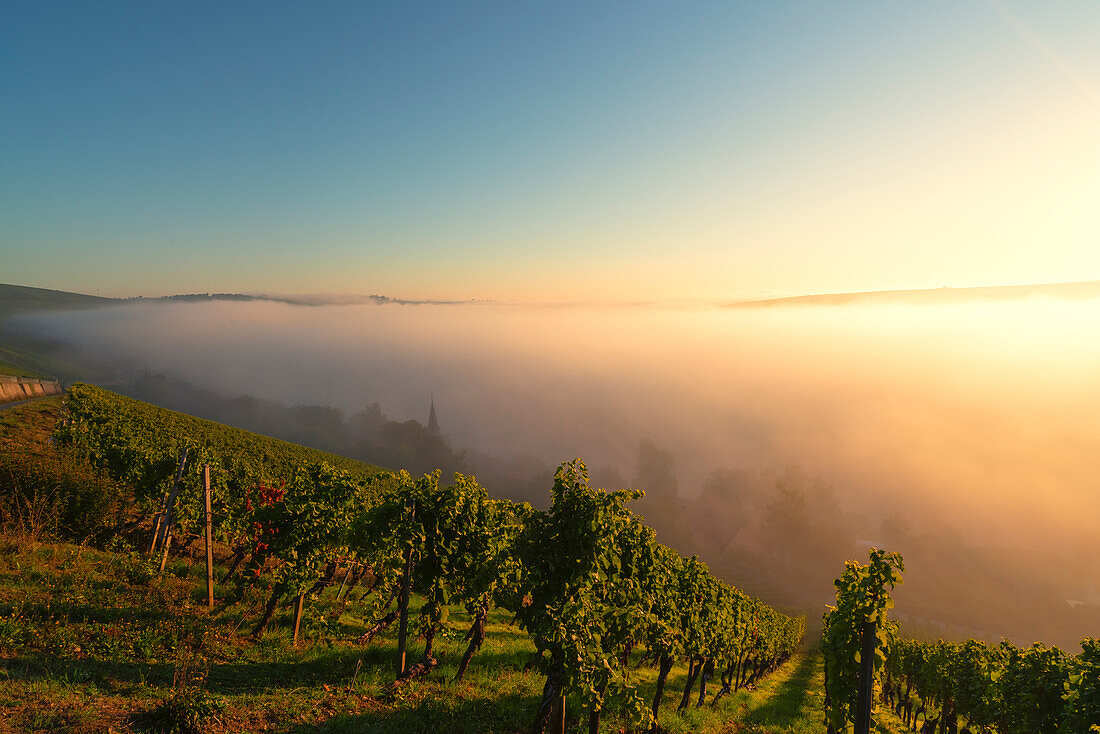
(553, 151)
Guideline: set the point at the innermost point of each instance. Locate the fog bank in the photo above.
(977, 419)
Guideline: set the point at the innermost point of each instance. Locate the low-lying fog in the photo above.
(940, 427)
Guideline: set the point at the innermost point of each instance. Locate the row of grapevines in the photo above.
(862, 598)
(595, 583)
(458, 543)
(585, 579)
(140, 444)
(1012, 690)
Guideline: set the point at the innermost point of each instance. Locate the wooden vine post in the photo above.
(298, 616)
(557, 716)
(865, 693)
(162, 523)
(209, 538)
(403, 604)
(344, 581)
(164, 554)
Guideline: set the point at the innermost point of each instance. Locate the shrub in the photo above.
(185, 711)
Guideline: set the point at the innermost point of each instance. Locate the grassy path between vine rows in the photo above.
(790, 701)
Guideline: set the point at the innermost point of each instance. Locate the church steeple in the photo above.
(433, 422)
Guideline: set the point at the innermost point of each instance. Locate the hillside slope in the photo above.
(24, 355)
(92, 639)
(933, 296)
(20, 298)
(168, 431)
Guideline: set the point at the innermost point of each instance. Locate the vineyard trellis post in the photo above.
(403, 603)
(164, 555)
(344, 581)
(298, 616)
(209, 538)
(557, 716)
(865, 694)
(162, 523)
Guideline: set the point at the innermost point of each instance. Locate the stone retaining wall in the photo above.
(22, 388)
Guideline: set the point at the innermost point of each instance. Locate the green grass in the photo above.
(792, 701)
(37, 416)
(7, 368)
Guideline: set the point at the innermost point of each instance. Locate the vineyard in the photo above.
(933, 686)
(586, 580)
(1005, 688)
(415, 579)
(135, 439)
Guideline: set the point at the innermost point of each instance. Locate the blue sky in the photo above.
(550, 151)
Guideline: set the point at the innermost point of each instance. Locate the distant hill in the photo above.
(25, 356)
(1066, 291)
(29, 354)
(324, 299)
(21, 298)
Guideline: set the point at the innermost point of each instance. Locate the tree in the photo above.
(660, 507)
(785, 520)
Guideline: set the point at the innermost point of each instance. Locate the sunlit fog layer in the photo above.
(981, 420)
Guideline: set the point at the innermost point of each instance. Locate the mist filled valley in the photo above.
(774, 442)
